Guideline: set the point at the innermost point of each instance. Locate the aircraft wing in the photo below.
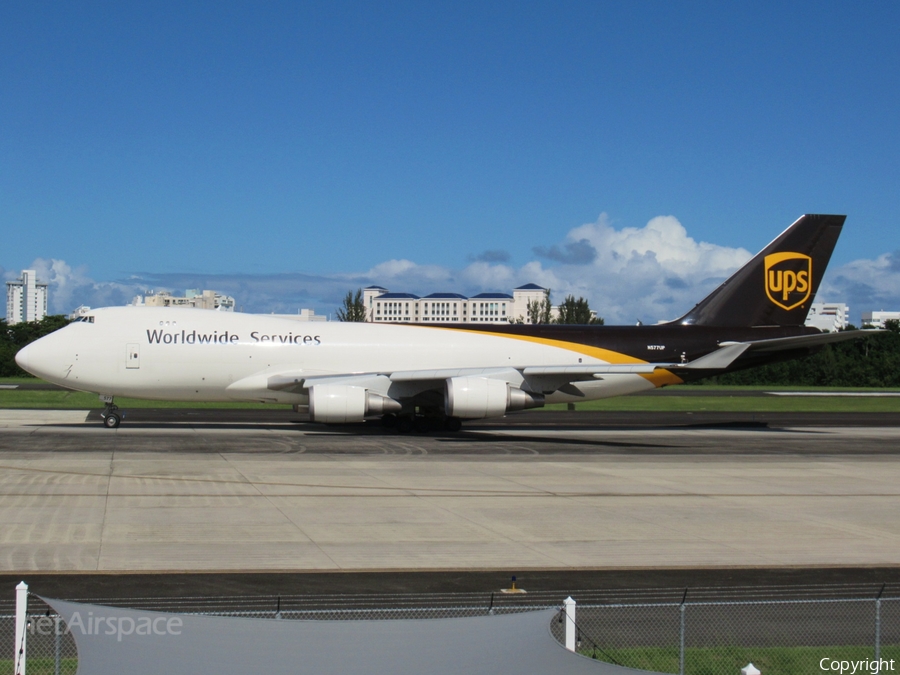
(295, 381)
(533, 378)
(536, 378)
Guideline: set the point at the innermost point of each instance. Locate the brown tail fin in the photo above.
(777, 286)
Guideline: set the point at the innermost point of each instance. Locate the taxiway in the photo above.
(229, 491)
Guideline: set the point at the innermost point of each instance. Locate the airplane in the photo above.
(435, 376)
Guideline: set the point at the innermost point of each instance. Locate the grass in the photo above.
(728, 660)
(717, 400)
(19, 380)
(72, 400)
(42, 666)
(724, 660)
(780, 387)
(725, 403)
(77, 400)
(697, 660)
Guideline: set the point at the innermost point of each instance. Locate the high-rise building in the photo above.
(828, 316)
(26, 299)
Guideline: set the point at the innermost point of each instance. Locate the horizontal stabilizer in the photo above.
(729, 352)
(723, 357)
(815, 340)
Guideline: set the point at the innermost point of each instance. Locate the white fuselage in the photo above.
(202, 355)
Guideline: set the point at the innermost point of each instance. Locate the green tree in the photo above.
(539, 310)
(573, 311)
(16, 336)
(870, 362)
(353, 307)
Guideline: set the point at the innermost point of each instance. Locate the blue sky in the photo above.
(288, 151)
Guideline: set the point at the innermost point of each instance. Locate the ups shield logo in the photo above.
(788, 278)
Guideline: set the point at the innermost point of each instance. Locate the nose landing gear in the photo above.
(111, 415)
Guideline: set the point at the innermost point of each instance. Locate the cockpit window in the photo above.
(84, 319)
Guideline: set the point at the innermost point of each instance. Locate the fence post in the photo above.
(56, 646)
(878, 624)
(681, 635)
(570, 623)
(21, 619)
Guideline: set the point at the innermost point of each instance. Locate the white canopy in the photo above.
(112, 641)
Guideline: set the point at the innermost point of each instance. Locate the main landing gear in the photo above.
(111, 414)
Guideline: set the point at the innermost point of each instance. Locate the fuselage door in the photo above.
(133, 356)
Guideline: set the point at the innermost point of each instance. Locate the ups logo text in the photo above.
(788, 276)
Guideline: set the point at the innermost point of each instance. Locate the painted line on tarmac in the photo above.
(30, 417)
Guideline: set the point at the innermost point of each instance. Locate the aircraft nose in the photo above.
(40, 359)
(24, 358)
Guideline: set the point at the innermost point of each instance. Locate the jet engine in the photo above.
(341, 403)
(479, 397)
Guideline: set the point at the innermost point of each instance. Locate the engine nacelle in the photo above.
(341, 403)
(523, 400)
(479, 397)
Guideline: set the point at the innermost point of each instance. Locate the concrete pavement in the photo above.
(75, 497)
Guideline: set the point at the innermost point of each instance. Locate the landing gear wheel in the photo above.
(389, 421)
(404, 425)
(111, 415)
(453, 424)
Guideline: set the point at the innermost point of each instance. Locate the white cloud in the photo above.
(865, 284)
(409, 272)
(488, 276)
(71, 287)
(648, 273)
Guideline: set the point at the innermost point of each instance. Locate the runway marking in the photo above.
(317, 486)
(408, 491)
(498, 494)
(11, 418)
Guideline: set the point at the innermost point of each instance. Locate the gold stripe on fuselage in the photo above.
(659, 378)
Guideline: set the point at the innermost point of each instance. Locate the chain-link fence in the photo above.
(657, 630)
(712, 638)
(8, 641)
(50, 646)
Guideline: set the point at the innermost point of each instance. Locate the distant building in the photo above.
(877, 319)
(302, 315)
(384, 306)
(829, 316)
(80, 312)
(191, 298)
(26, 299)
